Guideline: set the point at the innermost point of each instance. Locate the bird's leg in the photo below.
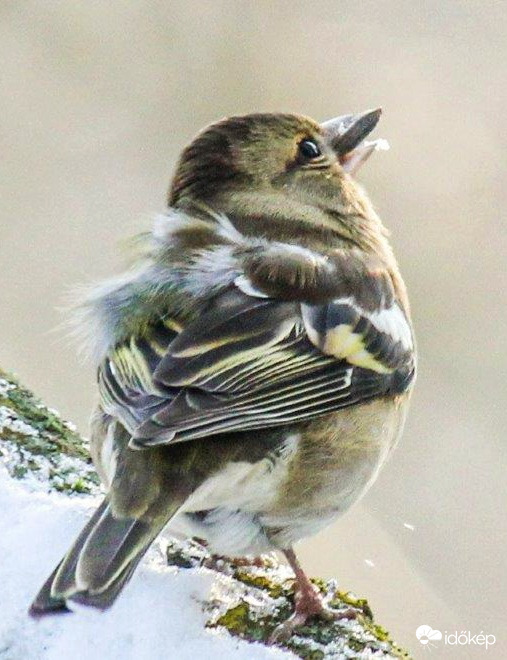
(216, 562)
(308, 603)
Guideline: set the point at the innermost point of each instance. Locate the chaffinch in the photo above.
(254, 366)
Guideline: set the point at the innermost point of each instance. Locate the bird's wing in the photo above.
(254, 362)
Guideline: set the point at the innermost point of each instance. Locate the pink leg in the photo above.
(308, 603)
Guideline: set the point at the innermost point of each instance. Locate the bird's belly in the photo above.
(339, 458)
(318, 474)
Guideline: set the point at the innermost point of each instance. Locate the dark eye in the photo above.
(309, 149)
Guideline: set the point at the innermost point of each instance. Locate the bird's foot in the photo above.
(218, 562)
(239, 562)
(308, 604)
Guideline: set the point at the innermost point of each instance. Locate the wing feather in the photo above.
(250, 363)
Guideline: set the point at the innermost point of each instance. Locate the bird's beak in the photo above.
(346, 135)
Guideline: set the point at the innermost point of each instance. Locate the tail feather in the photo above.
(45, 603)
(99, 564)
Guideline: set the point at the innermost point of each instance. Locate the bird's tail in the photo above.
(99, 564)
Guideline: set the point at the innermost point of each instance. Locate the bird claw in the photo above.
(308, 604)
(286, 629)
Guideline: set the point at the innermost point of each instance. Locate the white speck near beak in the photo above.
(352, 161)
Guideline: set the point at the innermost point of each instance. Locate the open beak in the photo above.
(346, 135)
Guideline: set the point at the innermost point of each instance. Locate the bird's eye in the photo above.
(309, 149)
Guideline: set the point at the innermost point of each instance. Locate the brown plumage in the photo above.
(254, 367)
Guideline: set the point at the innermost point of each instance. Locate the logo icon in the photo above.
(427, 636)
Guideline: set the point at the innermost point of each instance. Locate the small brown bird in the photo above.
(254, 366)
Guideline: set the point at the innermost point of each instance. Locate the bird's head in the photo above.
(267, 169)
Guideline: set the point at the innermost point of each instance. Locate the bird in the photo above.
(254, 363)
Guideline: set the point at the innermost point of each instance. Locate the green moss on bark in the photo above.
(36, 442)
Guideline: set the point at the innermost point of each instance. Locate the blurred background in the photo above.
(98, 99)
